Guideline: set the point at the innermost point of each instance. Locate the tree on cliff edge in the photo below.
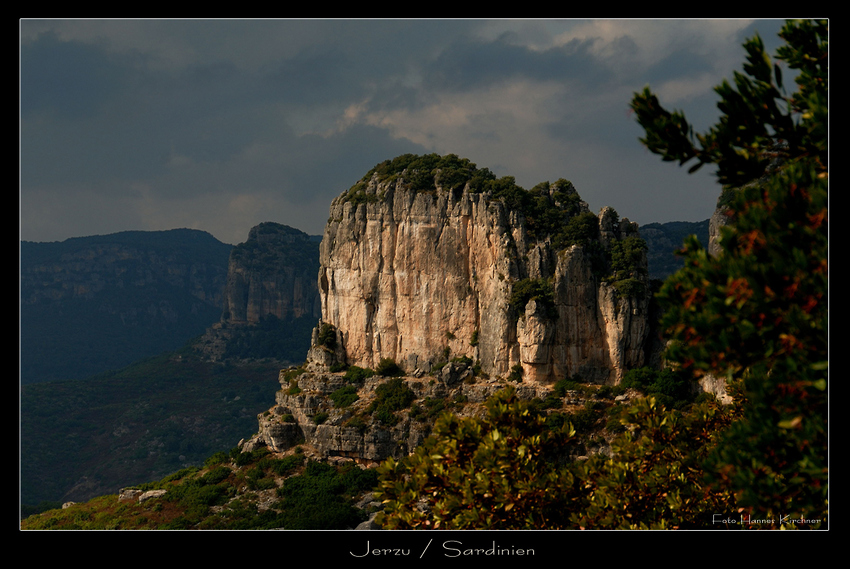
(758, 313)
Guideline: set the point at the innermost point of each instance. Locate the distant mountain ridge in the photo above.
(664, 239)
(90, 304)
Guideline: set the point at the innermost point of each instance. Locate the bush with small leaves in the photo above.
(654, 478)
(344, 396)
(392, 396)
(355, 374)
(498, 472)
(327, 335)
(387, 367)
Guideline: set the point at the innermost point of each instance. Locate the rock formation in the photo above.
(304, 412)
(271, 300)
(423, 272)
(467, 283)
(273, 272)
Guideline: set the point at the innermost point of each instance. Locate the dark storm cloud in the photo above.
(71, 79)
(87, 116)
(313, 77)
(323, 167)
(683, 64)
(473, 64)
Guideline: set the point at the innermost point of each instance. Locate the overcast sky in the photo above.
(219, 125)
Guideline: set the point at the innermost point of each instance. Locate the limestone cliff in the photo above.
(430, 258)
(470, 284)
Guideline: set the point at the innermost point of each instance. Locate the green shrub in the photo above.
(394, 395)
(287, 464)
(582, 420)
(217, 458)
(385, 415)
(387, 367)
(516, 373)
(291, 374)
(182, 473)
(434, 407)
(616, 415)
(327, 336)
(571, 384)
(627, 257)
(630, 288)
(627, 266)
(355, 374)
(244, 458)
(319, 498)
(216, 475)
(358, 423)
(257, 479)
(344, 396)
(466, 360)
(667, 383)
(525, 290)
(579, 230)
(552, 401)
(357, 195)
(320, 417)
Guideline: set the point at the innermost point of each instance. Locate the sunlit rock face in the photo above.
(426, 276)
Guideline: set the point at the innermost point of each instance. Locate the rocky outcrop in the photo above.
(719, 219)
(468, 288)
(422, 276)
(305, 412)
(273, 272)
(271, 300)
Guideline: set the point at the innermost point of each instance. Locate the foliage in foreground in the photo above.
(507, 470)
(655, 478)
(498, 472)
(758, 313)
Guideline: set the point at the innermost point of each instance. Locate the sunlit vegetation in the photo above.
(305, 495)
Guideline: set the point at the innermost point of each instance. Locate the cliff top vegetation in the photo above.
(551, 210)
(263, 249)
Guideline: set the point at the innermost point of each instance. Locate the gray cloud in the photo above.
(473, 64)
(220, 125)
